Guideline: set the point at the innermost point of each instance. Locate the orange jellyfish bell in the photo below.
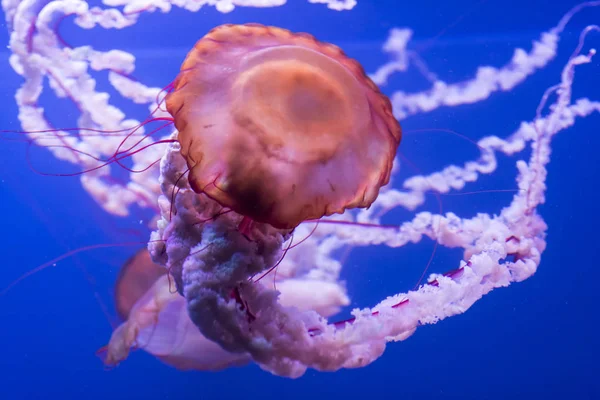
(280, 127)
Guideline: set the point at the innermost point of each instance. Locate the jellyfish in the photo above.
(280, 127)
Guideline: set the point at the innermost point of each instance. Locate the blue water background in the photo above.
(535, 339)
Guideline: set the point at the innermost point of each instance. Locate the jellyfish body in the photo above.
(280, 127)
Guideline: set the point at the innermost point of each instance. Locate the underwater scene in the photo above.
(266, 199)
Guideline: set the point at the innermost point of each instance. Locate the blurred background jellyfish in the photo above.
(279, 164)
(157, 322)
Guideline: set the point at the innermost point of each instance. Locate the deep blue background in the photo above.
(535, 339)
